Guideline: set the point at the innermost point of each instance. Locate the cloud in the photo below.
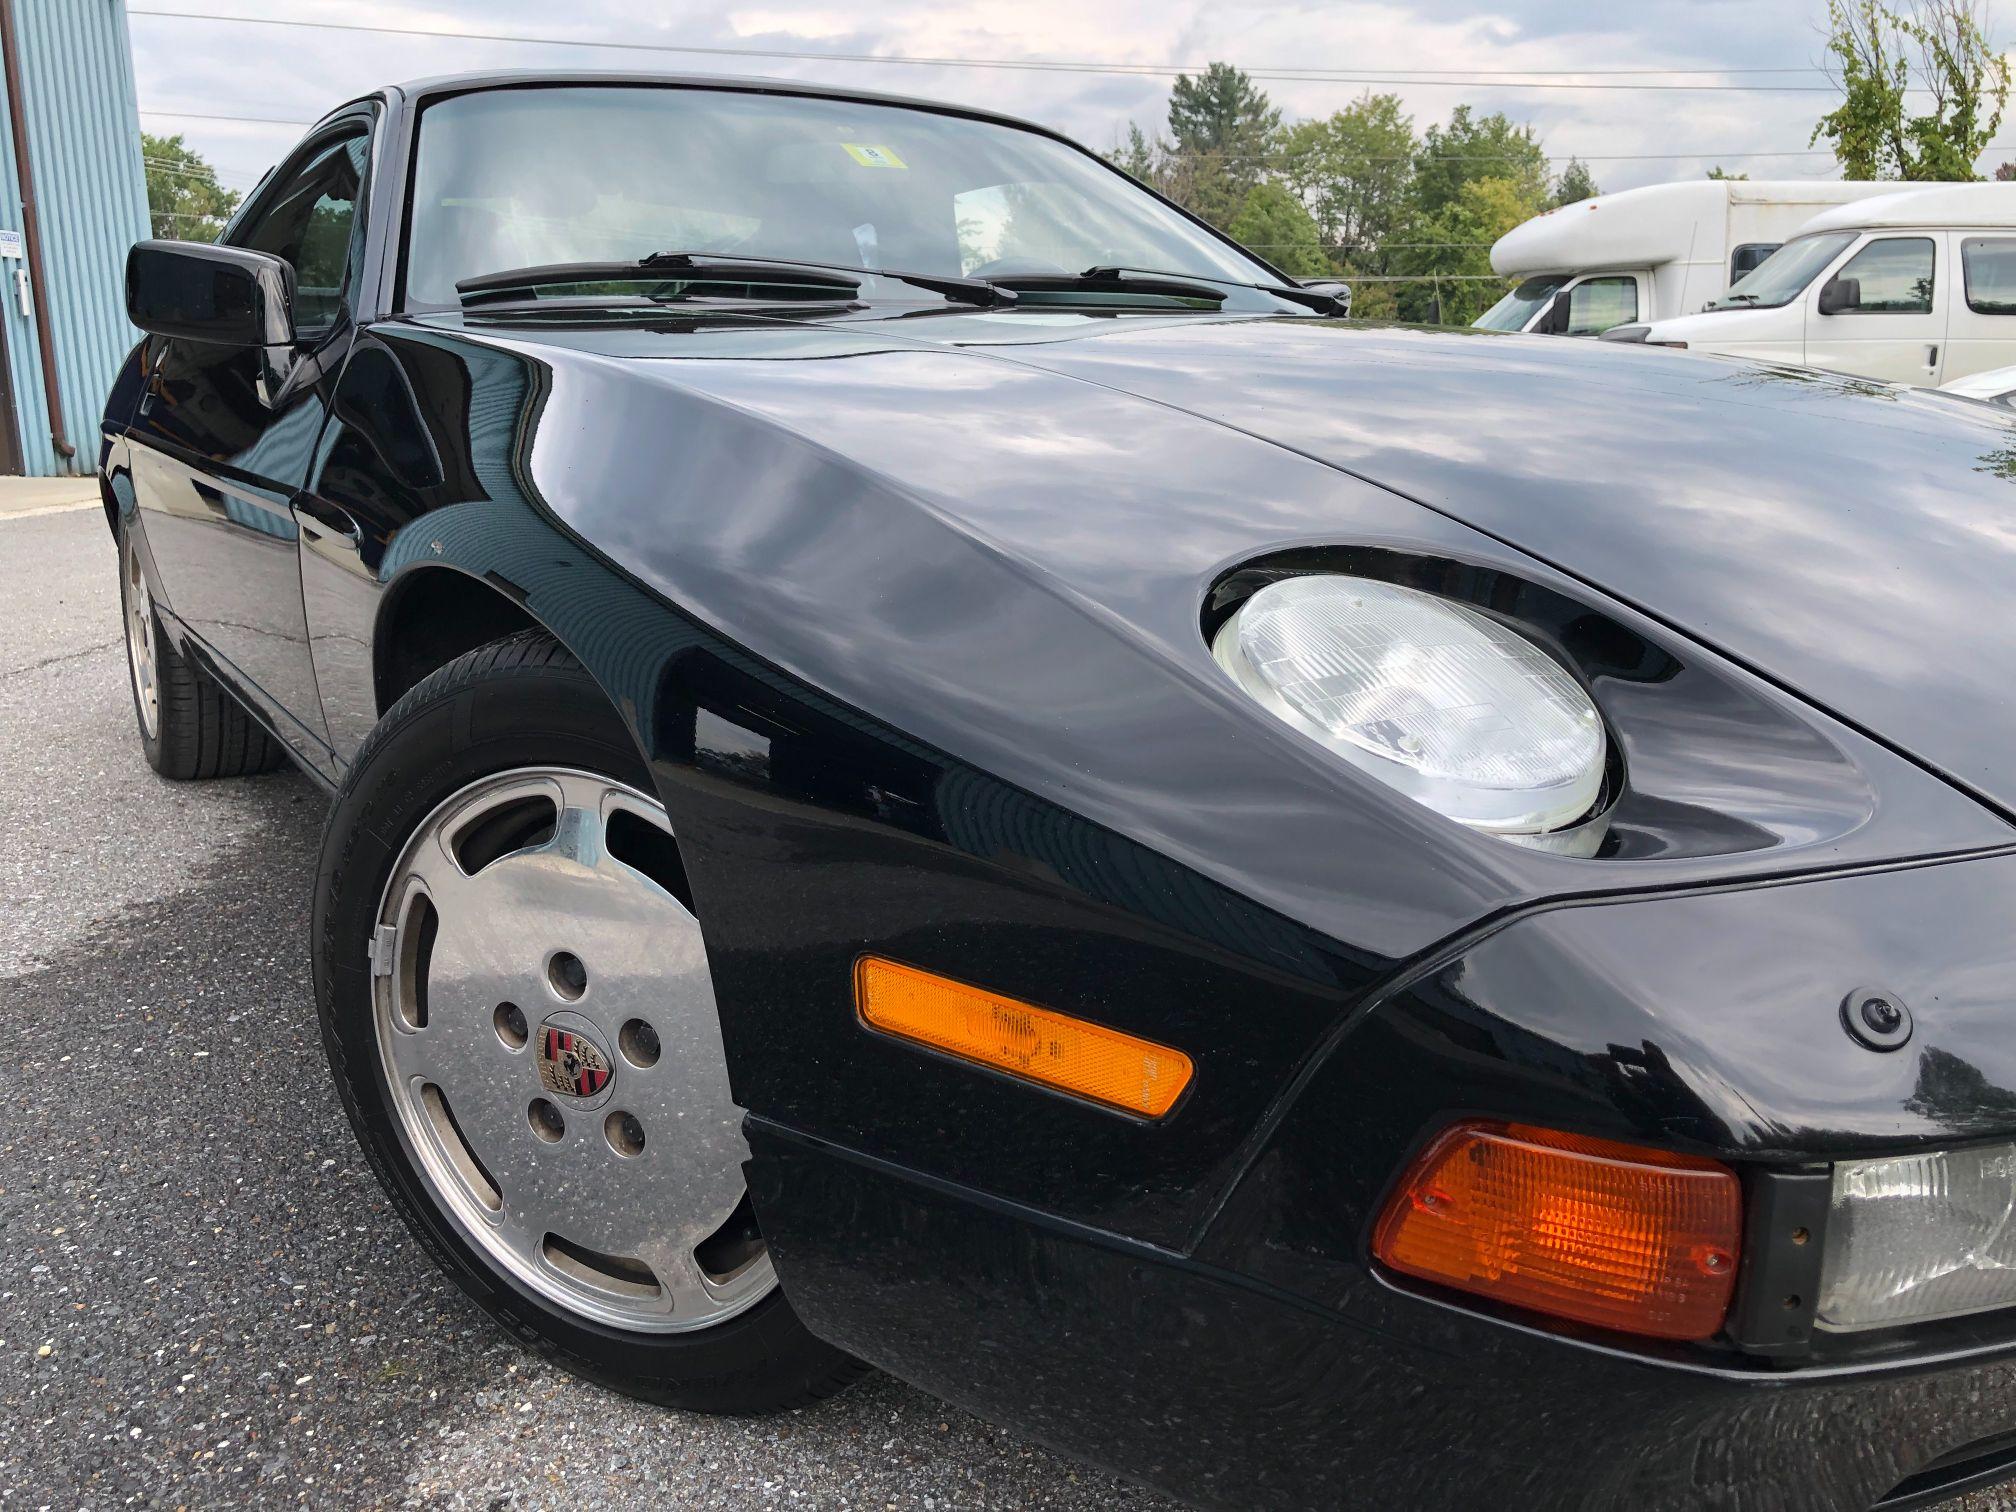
(209, 67)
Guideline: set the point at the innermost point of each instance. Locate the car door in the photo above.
(223, 438)
(1895, 328)
(1981, 330)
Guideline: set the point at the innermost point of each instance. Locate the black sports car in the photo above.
(934, 765)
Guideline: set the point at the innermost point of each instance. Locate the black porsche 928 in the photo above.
(935, 766)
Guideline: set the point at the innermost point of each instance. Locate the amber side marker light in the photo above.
(1639, 1240)
(1052, 1048)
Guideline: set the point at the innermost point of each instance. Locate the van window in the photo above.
(1513, 311)
(1780, 277)
(1748, 256)
(1600, 303)
(1895, 274)
(1988, 267)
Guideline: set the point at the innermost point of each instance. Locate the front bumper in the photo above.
(1230, 1393)
(1264, 1361)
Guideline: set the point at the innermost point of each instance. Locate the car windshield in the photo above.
(518, 178)
(1513, 311)
(1780, 277)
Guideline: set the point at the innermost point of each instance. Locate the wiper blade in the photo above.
(835, 278)
(1313, 299)
(1109, 281)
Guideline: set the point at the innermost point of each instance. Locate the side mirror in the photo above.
(1840, 294)
(199, 292)
(1555, 321)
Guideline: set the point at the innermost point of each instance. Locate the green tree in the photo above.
(1273, 223)
(184, 199)
(1875, 51)
(1719, 172)
(1221, 131)
(1477, 148)
(1353, 171)
(1450, 255)
(1139, 157)
(1575, 183)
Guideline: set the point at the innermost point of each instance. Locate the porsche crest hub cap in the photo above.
(571, 1064)
(552, 1055)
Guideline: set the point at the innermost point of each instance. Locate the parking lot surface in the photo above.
(204, 1301)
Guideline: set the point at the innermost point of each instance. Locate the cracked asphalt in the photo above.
(204, 1300)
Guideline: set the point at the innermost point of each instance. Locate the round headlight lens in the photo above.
(1445, 704)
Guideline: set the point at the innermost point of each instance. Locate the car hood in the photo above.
(1713, 328)
(1852, 540)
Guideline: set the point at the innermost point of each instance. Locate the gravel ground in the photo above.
(204, 1301)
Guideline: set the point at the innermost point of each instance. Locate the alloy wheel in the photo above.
(547, 1028)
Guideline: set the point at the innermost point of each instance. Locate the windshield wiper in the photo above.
(836, 279)
(1729, 299)
(1312, 299)
(1111, 281)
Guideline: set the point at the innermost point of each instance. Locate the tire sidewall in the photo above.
(443, 736)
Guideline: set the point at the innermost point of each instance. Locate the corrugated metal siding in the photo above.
(84, 136)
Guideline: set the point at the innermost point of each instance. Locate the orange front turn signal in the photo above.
(1639, 1240)
(1052, 1048)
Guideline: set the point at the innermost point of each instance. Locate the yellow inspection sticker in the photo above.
(869, 156)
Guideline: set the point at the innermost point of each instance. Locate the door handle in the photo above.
(1931, 356)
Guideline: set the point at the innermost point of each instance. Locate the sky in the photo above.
(1629, 132)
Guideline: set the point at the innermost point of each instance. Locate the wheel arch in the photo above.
(430, 615)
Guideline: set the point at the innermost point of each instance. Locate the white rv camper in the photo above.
(1648, 254)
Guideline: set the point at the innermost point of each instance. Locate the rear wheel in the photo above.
(189, 727)
(517, 1005)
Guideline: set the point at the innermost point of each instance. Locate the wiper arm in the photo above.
(835, 278)
(1110, 281)
(1312, 299)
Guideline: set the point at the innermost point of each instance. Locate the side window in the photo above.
(307, 221)
(1988, 268)
(1600, 303)
(1748, 256)
(1895, 276)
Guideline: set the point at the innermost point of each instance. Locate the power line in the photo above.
(1497, 79)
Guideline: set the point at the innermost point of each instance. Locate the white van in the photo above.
(1917, 286)
(1646, 254)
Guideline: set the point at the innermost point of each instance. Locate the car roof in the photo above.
(418, 91)
(1930, 206)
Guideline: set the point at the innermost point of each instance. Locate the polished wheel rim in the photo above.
(547, 1027)
(140, 643)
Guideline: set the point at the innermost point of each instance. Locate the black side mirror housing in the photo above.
(196, 291)
(1555, 321)
(1840, 294)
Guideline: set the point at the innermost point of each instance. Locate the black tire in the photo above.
(199, 730)
(523, 701)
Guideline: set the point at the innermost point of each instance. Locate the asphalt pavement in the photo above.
(204, 1300)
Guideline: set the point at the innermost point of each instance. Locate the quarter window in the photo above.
(309, 222)
(1598, 304)
(1988, 267)
(1895, 275)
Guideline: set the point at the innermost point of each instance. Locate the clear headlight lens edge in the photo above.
(1436, 700)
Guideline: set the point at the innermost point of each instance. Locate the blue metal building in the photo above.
(71, 64)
